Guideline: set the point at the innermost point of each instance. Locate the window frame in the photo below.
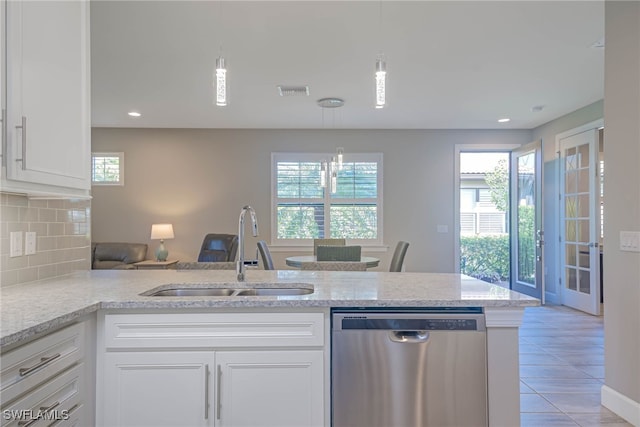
(326, 200)
(120, 156)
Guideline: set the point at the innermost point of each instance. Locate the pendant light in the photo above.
(221, 82)
(381, 82)
(220, 77)
(381, 67)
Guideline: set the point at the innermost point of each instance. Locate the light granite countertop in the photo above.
(29, 309)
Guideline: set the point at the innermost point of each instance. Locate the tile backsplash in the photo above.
(63, 237)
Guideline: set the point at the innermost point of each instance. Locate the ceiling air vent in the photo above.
(293, 90)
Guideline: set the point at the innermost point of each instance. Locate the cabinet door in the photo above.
(48, 111)
(270, 388)
(157, 389)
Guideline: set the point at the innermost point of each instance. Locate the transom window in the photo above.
(107, 168)
(313, 197)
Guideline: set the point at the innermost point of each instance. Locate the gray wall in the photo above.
(622, 198)
(199, 179)
(547, 133)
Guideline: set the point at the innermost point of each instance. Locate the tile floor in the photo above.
(562, 369)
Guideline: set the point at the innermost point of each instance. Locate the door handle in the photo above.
(409, 336)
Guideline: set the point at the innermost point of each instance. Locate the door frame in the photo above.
(594, 125)
(460, 148)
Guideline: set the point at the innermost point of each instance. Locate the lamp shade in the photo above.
(161, 231)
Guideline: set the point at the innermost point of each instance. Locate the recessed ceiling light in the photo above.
(505, 120)
(134, 114)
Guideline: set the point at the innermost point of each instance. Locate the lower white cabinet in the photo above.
(269, 388)
(196, 369)
(45, 381)
(158, 388)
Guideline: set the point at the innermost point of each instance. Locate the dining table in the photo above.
(296, 261)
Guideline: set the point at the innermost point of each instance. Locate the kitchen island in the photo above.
(30, 311)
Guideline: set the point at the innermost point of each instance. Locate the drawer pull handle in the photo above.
(27, 423)
(43, 361)
(49, 408)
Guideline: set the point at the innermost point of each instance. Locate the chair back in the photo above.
(338, 253)
(218, 248)
(327, 242)
(265, 254)
(398, 256)
(335, 266)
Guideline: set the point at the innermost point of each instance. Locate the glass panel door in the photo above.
(580, 204)
(526, 220)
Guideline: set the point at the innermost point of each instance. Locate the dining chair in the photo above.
(335, 266)
(265, 254)
(338, 253)
(218, 248)
(398, 256)
(327, 242)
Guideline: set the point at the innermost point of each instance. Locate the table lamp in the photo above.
(161, 231)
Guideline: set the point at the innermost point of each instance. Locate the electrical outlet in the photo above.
(30, 243)
(15, 244)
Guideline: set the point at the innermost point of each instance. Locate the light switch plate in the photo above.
(15, 244)
(630, 241)
(30, 243)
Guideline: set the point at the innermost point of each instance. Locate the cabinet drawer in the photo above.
(50, 402)
(207, 330)
(35, 362)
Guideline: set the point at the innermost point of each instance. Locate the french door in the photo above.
(527, 235)
(579, 221)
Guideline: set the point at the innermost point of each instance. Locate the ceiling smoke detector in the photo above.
(330, 102)
(293, 90)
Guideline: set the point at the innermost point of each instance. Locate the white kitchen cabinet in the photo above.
(46, 379)
(284, 388)
(48, 120)
(158, 388)
(218, 369)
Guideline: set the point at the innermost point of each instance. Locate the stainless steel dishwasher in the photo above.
(412, 368)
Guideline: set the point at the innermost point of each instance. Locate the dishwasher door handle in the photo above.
(409, 336)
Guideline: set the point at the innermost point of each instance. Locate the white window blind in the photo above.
(304, 209)
(107, 168)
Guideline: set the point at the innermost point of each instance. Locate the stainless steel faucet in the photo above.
(240, 268)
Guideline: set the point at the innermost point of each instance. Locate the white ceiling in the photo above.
(451, 64)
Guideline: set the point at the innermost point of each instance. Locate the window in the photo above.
(107, 168)
(304, 209)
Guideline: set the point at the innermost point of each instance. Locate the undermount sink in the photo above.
(181, 290)
(194, 292)
(274, 291)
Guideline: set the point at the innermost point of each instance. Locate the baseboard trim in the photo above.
(621, 405)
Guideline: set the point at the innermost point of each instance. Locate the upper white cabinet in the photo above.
(48, 124)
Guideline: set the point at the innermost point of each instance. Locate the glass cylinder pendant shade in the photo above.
(381, 77)
(221, 82)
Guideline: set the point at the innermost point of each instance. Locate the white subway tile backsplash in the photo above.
(63, 244)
